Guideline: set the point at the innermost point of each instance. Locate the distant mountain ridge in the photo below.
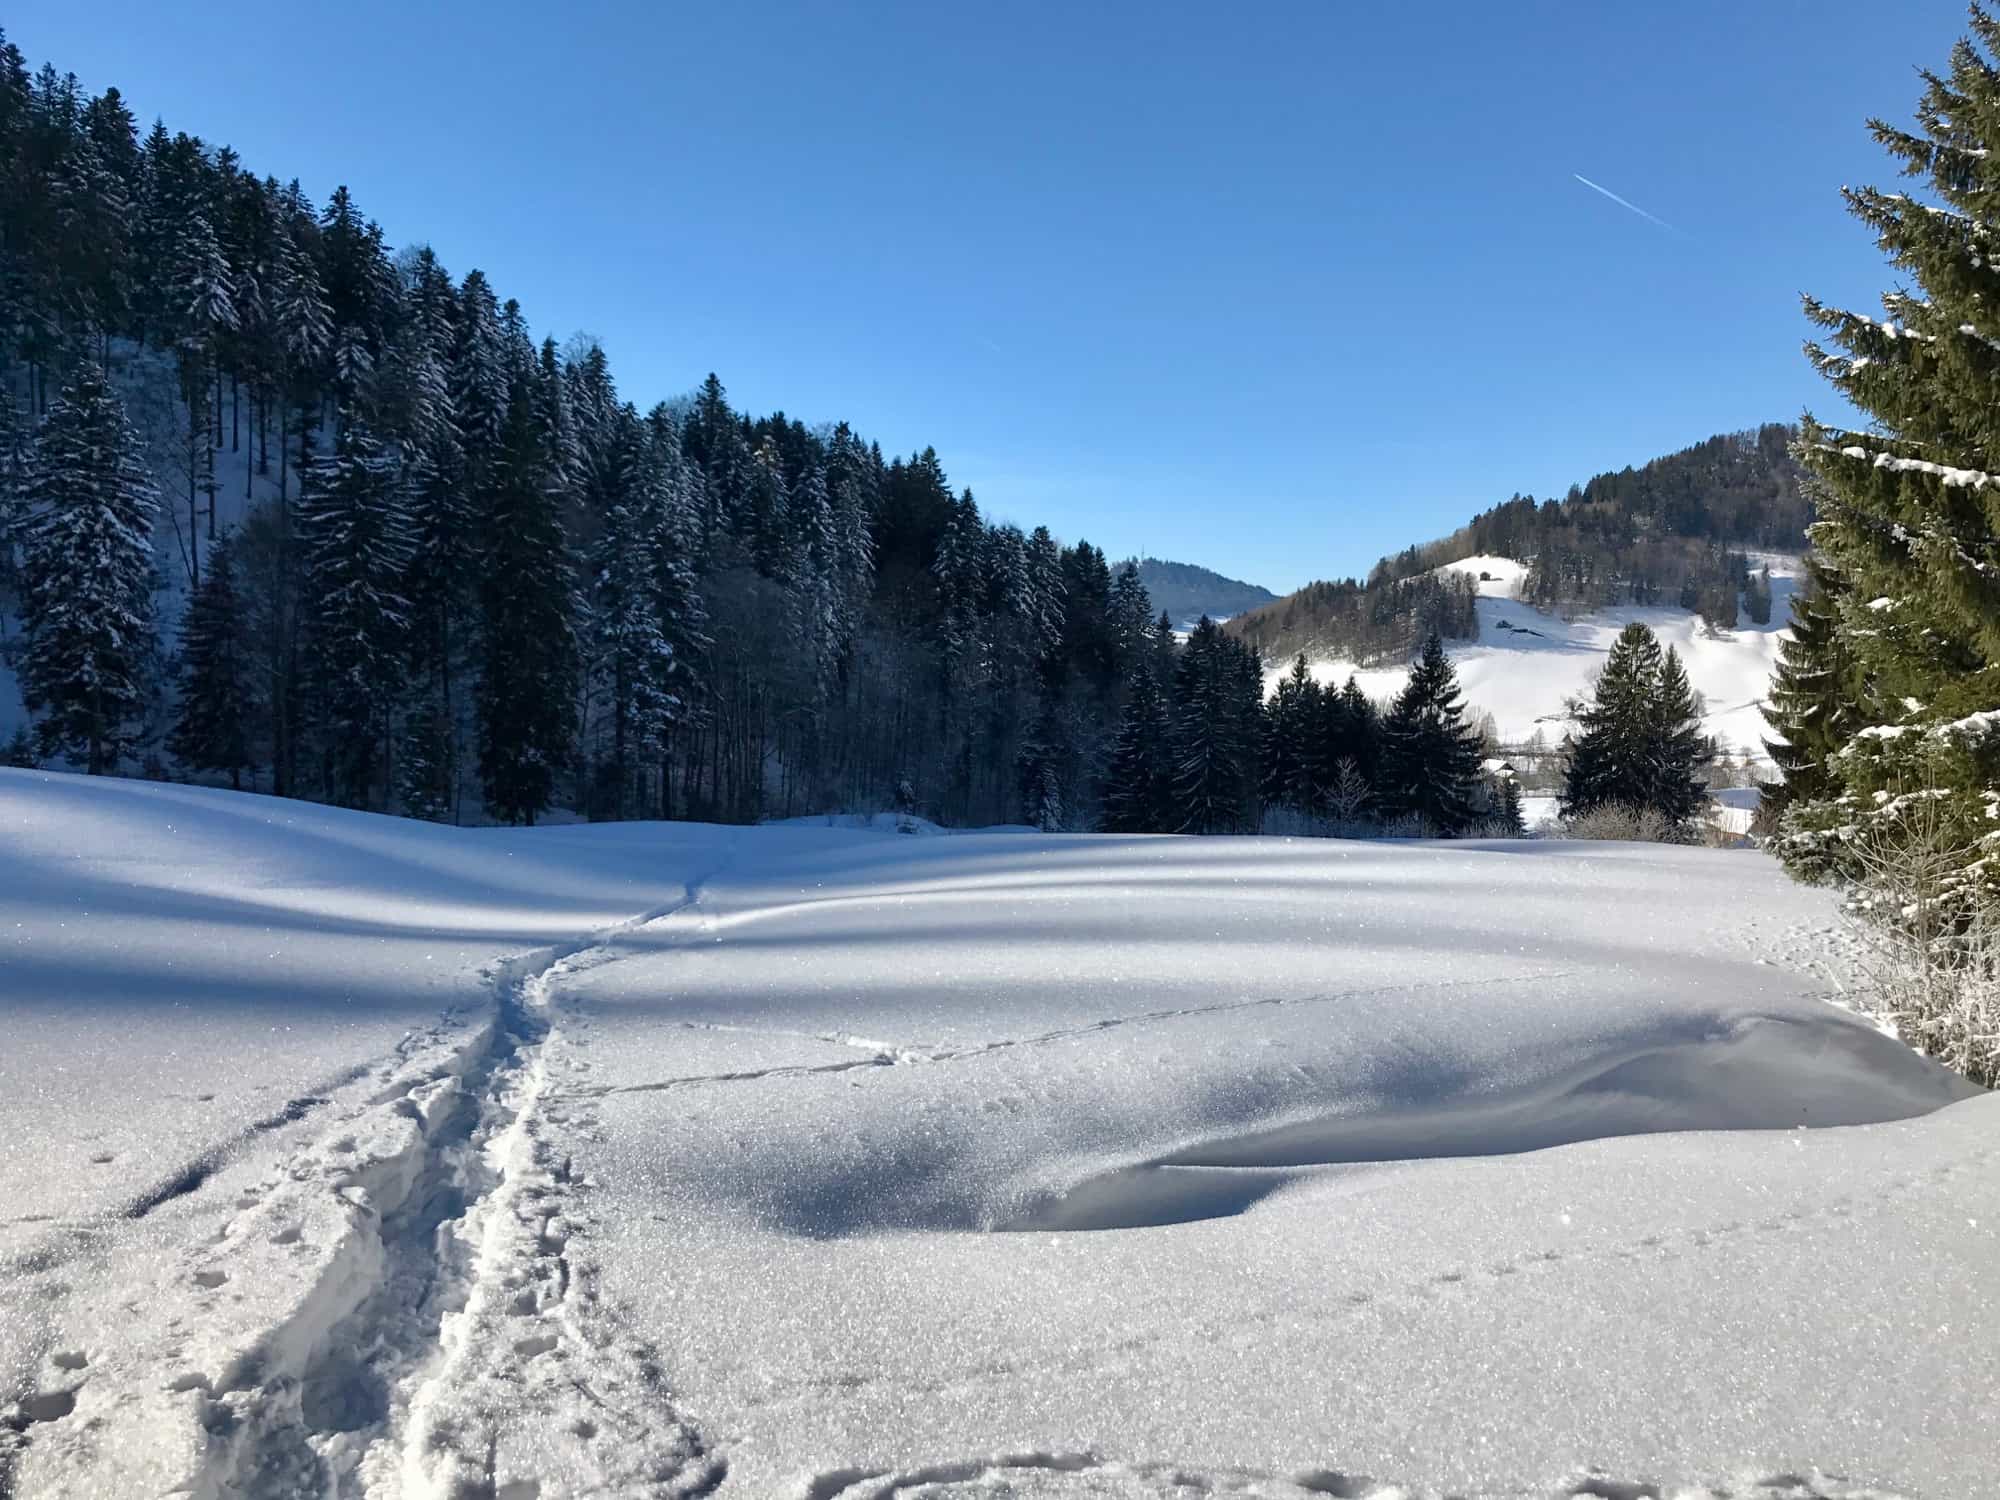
(1187, 592)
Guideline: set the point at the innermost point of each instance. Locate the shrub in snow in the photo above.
(1929, 920)
(1406, 826)
(1622, 822)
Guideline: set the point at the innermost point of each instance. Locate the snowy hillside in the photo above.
(1525, 665)
(360, 1157)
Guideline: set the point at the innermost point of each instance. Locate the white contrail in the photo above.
(1624, 202)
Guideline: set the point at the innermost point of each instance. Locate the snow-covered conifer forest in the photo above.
(554, 946)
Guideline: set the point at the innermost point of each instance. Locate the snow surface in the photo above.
(1524, 666)
(809, 1162)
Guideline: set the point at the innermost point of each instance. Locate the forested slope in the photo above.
(1186, 592)
(387, 547)
(1674, 531)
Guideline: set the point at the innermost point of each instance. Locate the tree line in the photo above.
(455, 573)
(464, 578)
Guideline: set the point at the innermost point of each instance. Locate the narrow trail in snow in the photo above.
(393, 1309)
(513, 1376)
(1045, 1473)
(528, 1380)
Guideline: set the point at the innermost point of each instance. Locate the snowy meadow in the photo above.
(361, 1157)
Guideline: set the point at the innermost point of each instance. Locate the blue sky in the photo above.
(1274, 288)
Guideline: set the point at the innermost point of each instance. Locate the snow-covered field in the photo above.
(1525, 666)
(359, 1157)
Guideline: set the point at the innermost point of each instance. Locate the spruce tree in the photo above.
(1905, 504)
(304, 329)
(479, 374)
(526, 697)
(1354, 732)
(1047, 596)
(424, 780)
(1510, 807)
(87, 576)
(633, 663)
(358, 547)
(818, 586)
(212, 729)
(1131, 616)
(1639, 745)
(1216, 733)
(1814, 693)
(14, 442)
(1139, 785)
(1757, 597)
(1678, 753)
(1164, 650)
(1430, 754)
(1609, 762)
(1294, 730)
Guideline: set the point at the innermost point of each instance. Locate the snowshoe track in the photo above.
(1051, 1474)
(434, 1337)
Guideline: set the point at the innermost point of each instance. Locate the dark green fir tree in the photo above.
(528, 677)
(212, 727)
(1906, 505)
(1678, 753)
(87, 577)
(1139, 785)
(1814, 693)
(1430, 754)
(1609, 761)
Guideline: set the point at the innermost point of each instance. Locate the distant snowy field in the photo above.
(359, 1157)
(1525, 666)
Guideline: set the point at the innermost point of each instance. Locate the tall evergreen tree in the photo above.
(528, 659)
(479, 375)
(1814, 692)
(304, 328)
(1139, 786)
(14, 442)
(633, 663)
(1757, 597)
(1678, 752)
(1640, 746)
(1610, 757)
(1131, 617)
(357, 543)
(87, 576)
(1216, 726)
(1295, 720)
(212, 728)
(1430, 754)
(1906, 514)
